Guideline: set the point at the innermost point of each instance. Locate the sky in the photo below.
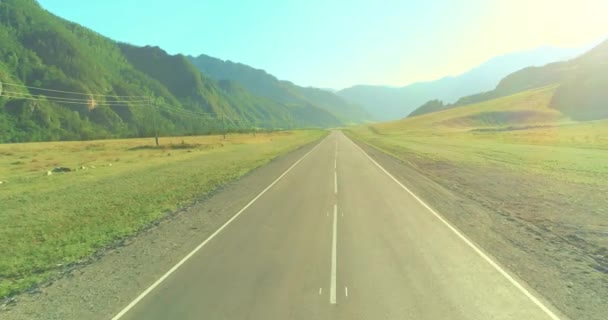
(337, 43)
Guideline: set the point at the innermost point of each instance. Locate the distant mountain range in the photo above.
(579, 87)
(61, 81)
(389, 103)
(582, 85)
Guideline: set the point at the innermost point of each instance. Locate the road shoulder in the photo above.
(513, 243)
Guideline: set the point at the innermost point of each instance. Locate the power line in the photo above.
(174, 109)
(186, 113)
(120, 100)
(62, 101)
(142, 102)
(68, 99)
(70, 92)
(206, 115)
(171, 106)
(197, 113)
(138, 103)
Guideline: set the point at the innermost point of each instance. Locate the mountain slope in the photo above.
(41, 50)
(61, 81)
(264, 112)
(386, 103)
(261, 83)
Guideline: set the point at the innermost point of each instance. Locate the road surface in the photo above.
(336, 237)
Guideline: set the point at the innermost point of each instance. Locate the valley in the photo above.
(226, 160)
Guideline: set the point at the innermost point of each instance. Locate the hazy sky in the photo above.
(337, 43)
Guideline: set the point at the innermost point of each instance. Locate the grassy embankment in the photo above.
(47, 222)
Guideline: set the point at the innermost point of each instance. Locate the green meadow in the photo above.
(116, 188)
(519, 132)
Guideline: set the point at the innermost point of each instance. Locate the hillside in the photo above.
(429, 107)
(61, 81)
(389, 103)
(522, 110)
(263, 84)
(582, 81)
(197, 92)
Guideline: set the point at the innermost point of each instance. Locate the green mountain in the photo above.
(200, 93)
(263, 84)
(581, 85)
(61, 81)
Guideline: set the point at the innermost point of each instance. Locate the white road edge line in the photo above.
(213, 235)
(466, 240)
(334, 272)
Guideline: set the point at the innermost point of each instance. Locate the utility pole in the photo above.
(223, 126)
(153, 106)
(8, 18)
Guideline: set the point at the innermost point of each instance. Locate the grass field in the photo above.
(50, 221)
(530, 185)
(518, 131)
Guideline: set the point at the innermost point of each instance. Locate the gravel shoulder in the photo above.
(515, 219)
(101, 288)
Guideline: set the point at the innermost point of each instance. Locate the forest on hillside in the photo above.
(61, 81)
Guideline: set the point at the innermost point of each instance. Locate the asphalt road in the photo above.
(336, 237)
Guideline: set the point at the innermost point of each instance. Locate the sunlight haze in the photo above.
(305, 159)
(342, 43)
